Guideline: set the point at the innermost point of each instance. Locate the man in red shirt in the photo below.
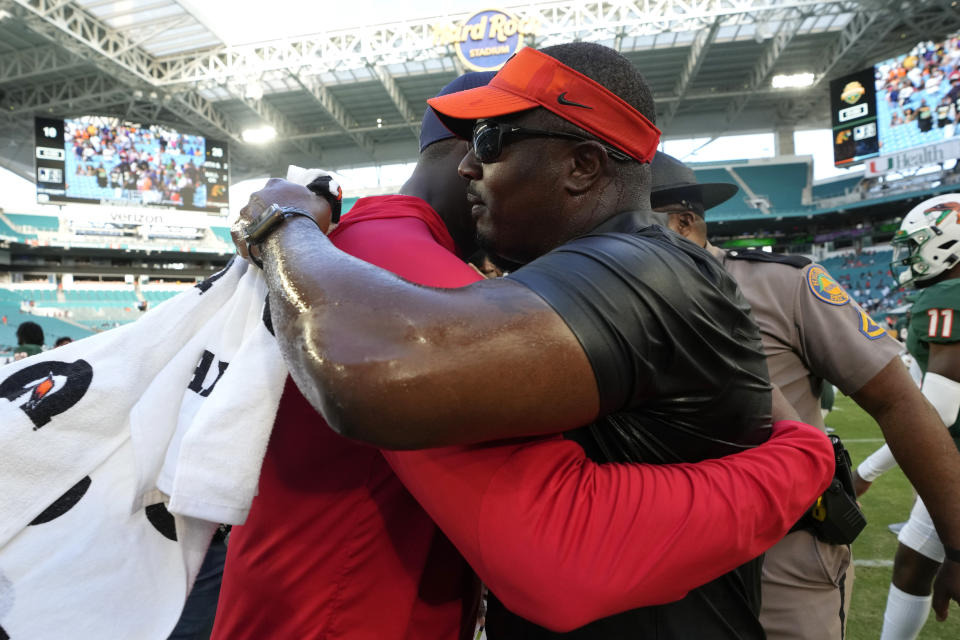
(336, 547)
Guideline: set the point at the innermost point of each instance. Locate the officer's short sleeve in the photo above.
(839, 340)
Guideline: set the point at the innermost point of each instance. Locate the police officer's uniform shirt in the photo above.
(811, 329)
(935, 318)
(682, 377)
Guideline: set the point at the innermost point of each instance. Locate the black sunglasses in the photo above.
(488, 138)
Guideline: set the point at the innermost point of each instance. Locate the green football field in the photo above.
(888, 500)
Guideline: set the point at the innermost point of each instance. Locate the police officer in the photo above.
(812, 331)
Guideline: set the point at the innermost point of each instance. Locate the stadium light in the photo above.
(793, 81)
(253, 90)
(259, 136)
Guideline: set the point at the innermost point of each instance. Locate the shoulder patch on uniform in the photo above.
(824, 287)
(764, 256)
(868, 327)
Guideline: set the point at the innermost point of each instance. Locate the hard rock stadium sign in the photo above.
(487, 39)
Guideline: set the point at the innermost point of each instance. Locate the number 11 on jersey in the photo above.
(945, 327)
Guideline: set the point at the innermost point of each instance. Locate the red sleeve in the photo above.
(564, 541)
(406, 247)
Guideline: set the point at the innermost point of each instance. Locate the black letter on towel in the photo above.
(64, 503)
(53, 387)
(267, 319)
(162, 520)
(200, 374)
(206, 284)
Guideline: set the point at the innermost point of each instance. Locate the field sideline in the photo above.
(888, 500)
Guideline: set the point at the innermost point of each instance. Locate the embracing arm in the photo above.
(914, 430)
(563, 541)
(405, 366)
(917, 438)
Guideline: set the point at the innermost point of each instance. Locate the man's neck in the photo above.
(418, 186)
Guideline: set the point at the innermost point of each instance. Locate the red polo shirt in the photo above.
(335, 546)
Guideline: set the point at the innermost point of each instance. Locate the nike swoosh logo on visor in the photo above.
(562, 99)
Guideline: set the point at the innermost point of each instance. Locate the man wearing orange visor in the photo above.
(632, 340)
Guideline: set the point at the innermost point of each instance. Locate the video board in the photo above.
(95, 159)
(912, 100)
(918, 95)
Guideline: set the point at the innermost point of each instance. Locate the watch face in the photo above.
(258, 231)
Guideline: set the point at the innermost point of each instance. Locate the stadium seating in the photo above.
(36, 222)
(867, 277)
(155, 297)
(347, 204)
(35, 295)
(222, 234)
(102, 318)
(53, 328)
(95, 308)
(836, 188)
(9, 233)
(781, 184)
(100, 297)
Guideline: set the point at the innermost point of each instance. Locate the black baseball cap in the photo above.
(674, 182)
(431, 129)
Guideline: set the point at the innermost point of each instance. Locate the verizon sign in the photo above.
(139, 216)
(913, 158)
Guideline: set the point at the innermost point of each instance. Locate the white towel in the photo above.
(141, 381)
(95, 435)
(121, 453)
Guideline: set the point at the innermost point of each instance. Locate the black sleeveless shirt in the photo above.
(682, 377)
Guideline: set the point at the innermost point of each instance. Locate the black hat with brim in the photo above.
(674, 181)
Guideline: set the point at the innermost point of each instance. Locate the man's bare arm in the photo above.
(919, 441)
(488, 361)
(923, 448)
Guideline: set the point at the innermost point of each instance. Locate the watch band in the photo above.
(951, 553)
(257, 232)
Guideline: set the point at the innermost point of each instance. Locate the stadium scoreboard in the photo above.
(853, 109)
(103, 160)
(900, 104)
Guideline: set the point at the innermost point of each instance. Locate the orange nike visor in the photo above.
(534, 79)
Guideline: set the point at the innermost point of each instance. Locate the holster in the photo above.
(835, 517)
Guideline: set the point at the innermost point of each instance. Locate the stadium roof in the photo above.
(354, 96)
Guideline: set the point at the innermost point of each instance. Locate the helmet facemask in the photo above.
(928, 242)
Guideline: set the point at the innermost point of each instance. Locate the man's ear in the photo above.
(685, 222)
(588, 163)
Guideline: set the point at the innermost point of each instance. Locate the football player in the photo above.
(926, 257)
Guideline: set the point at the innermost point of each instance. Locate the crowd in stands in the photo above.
(868, 279)
(921, 90)
(151, 165)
